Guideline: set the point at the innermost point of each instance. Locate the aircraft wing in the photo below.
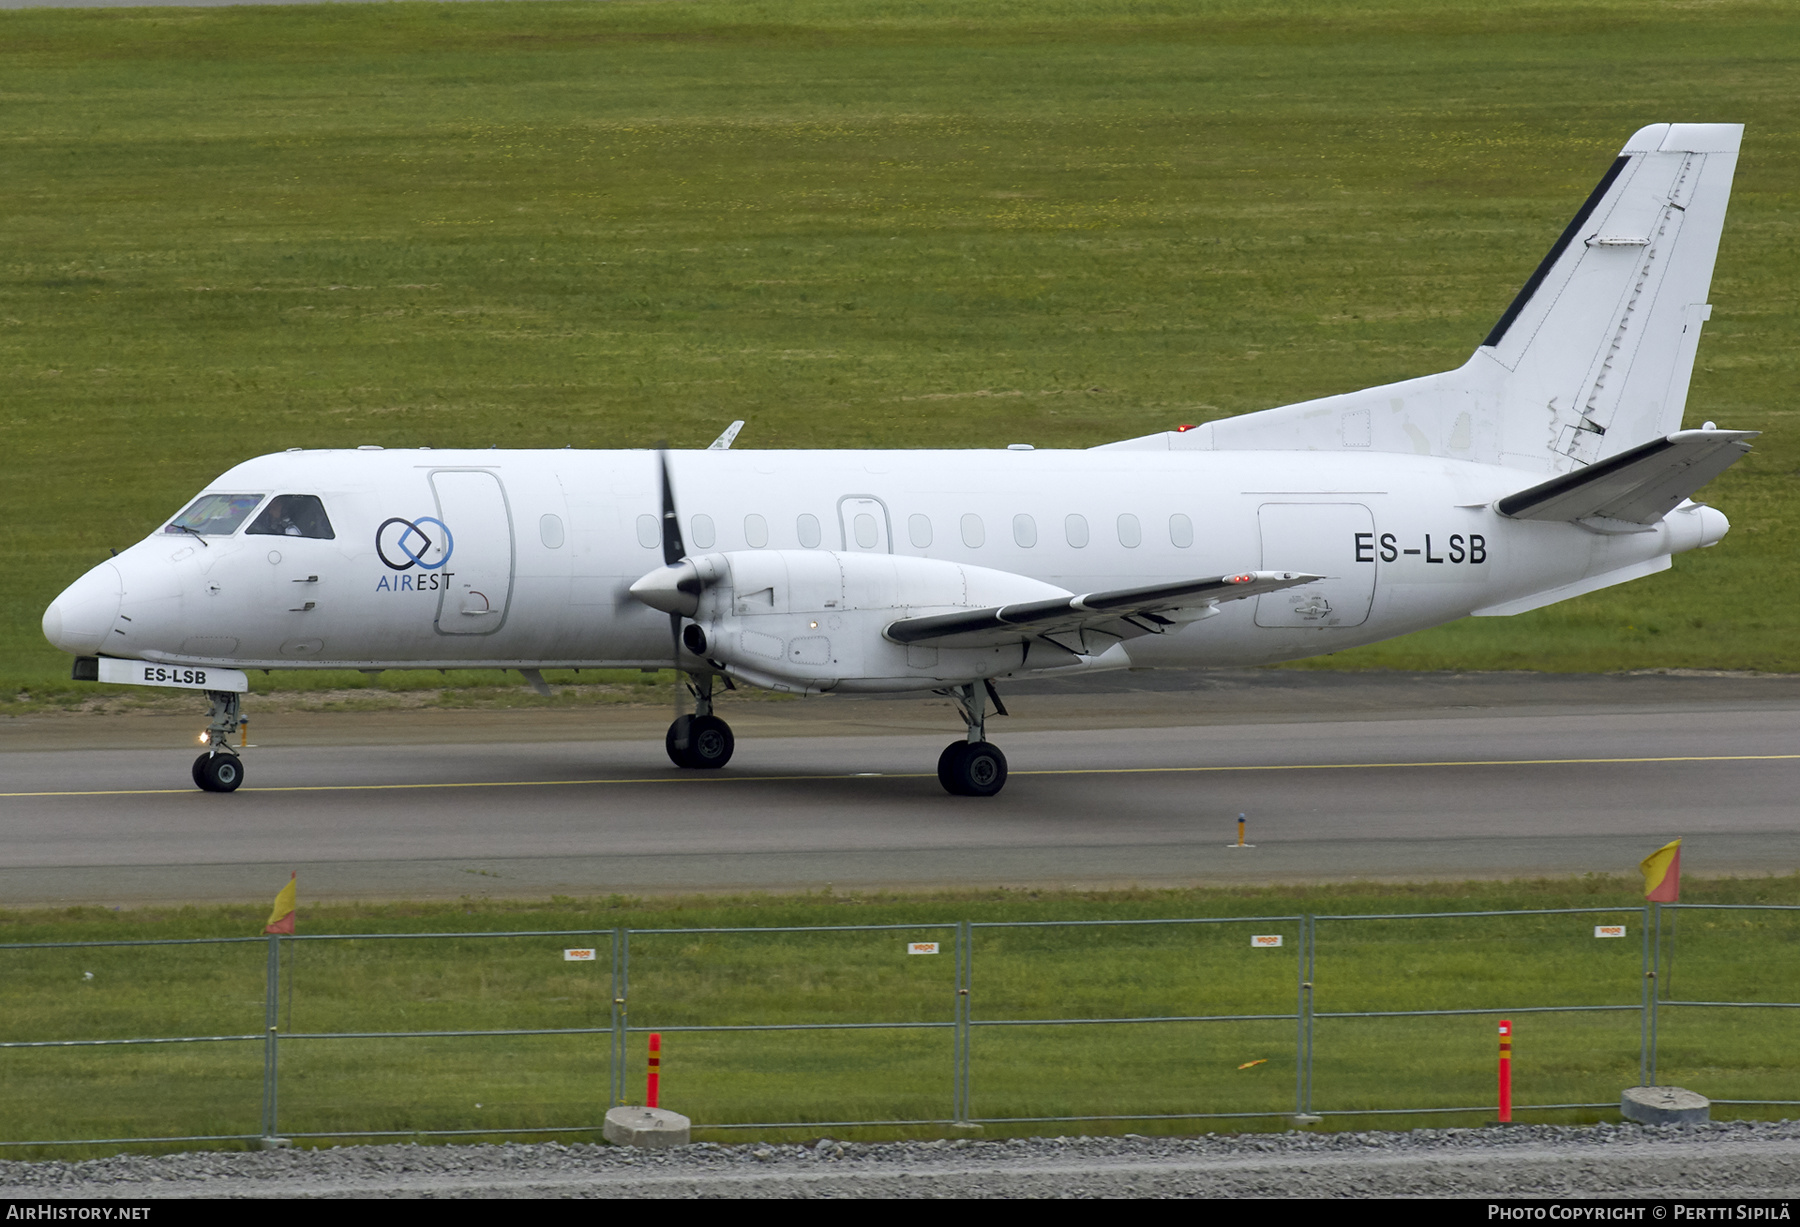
(1639, 486)
(1089, 624)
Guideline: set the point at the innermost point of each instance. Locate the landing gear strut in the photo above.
(702, 740)
(973, 767)
(220, 769)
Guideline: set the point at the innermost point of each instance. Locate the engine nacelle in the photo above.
(807, 621)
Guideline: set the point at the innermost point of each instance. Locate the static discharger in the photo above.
(653, 1081)
(1240, 843)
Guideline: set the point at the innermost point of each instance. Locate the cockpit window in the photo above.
(293, 515)
(214, 515)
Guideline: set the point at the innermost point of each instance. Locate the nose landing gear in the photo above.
(701, 741)
(974, 767)
(220, 769)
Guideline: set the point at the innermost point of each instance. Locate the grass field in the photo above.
(680, 977)
(853, 223)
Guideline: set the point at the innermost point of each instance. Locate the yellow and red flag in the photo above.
(1662, 874)
(281, 919)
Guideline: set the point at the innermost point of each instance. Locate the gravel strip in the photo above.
(1734, 1159)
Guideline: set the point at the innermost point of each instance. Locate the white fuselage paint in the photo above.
(546, 544)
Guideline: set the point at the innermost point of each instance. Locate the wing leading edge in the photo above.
(1089, 624)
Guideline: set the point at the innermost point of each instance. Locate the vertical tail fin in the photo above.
(1599, 344)
(1591, 359)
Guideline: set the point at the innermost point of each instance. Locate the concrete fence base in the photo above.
(651, 1127)
(1664, 1105)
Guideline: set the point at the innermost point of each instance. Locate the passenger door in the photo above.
(479, 570)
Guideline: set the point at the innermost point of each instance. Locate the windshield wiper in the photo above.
(196, 532)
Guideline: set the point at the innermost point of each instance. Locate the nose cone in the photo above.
(81, 618)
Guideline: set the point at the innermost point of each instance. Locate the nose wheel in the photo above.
(218, 771)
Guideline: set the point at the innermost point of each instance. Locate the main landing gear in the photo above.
(974, 767)
(701, 741)
(220, 769)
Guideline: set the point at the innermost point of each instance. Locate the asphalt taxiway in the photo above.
(1116, 779)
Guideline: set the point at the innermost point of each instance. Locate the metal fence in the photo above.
(1415, 974)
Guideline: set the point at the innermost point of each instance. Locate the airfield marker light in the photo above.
(654, 1080)
(1505, 1071)
(244, 731)
(1240, 843)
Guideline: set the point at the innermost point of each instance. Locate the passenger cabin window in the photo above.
(974, 534)
(1024, 531)
(293, 515)
(1076, 530)
(1181, 531)
(649, 532)
(702, 529)
(214, 515)
(1131, 533)
(756, 531)
(808, 528)
(918, 527)
(550, 531)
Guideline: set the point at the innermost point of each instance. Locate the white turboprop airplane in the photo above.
(1548, 465)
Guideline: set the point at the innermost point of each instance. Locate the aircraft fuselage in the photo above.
(449, 558)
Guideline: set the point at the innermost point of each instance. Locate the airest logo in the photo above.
(404, 544)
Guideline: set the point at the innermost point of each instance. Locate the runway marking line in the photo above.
(923, 775)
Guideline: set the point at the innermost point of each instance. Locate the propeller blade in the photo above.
(673, 549)
(673, 552)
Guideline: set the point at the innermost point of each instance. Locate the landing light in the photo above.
(203, 739)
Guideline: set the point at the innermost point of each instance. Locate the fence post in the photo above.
(1312, 948)
(1300, 1022)
(964, 976)
(1644, 1001)
(271, 1007)
(1655, 991)
(621, 952)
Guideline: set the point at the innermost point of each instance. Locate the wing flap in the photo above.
(1639, 486)
(1123, 613)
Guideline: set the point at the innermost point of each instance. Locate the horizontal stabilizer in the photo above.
(1639, 486)
(1090, 623)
